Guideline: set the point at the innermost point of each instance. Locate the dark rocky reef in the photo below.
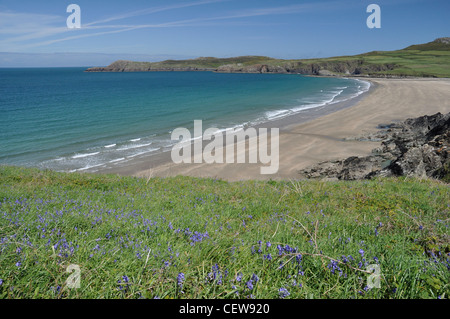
(417, 147)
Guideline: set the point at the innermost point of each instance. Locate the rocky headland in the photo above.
(400, 63)
(332, 68)
(417, 147)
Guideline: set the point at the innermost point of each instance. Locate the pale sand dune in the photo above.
(322, 139)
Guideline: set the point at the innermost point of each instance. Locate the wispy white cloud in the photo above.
(21, 23)
(29, 30)
(153, 10)
(24, 30)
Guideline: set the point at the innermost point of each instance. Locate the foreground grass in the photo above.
(203, 238)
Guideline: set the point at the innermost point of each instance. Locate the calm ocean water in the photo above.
(68, 120)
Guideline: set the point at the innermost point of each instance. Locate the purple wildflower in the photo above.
(124, 283)
(361, 252)
(283, 293)
(268, 257)
(333, 266)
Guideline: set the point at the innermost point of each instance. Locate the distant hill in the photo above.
(441, 44)
(421, 60)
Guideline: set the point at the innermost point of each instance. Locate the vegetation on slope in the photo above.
(185, 237)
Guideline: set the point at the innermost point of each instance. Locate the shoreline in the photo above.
(321, 134)
(138, 166)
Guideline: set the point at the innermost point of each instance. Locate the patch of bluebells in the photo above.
(217, 276)
(180, 281)
(123, 283)
(283, 293)
(250, 284)
(334, 266)
(194, 237)
(286, 249)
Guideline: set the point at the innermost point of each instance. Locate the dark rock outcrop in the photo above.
(416, 147)
(351, 67)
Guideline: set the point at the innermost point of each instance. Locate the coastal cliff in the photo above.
(424, 60)
(330, 68)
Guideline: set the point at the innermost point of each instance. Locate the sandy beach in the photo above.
(321, 138)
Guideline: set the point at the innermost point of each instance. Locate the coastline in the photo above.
(319, 134)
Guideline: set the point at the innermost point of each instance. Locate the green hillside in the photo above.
(424, 60)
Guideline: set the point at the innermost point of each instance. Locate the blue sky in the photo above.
(159, 29)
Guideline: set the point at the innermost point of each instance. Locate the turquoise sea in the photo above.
(69, 120)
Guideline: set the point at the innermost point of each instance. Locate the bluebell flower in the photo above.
(124, 283)
(283, 293)
(239, 277)
(333, 266)
(280, 249)
(361, 252)
(180, 279)
(249, 284)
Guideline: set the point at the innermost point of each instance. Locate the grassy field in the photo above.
(203, 238)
